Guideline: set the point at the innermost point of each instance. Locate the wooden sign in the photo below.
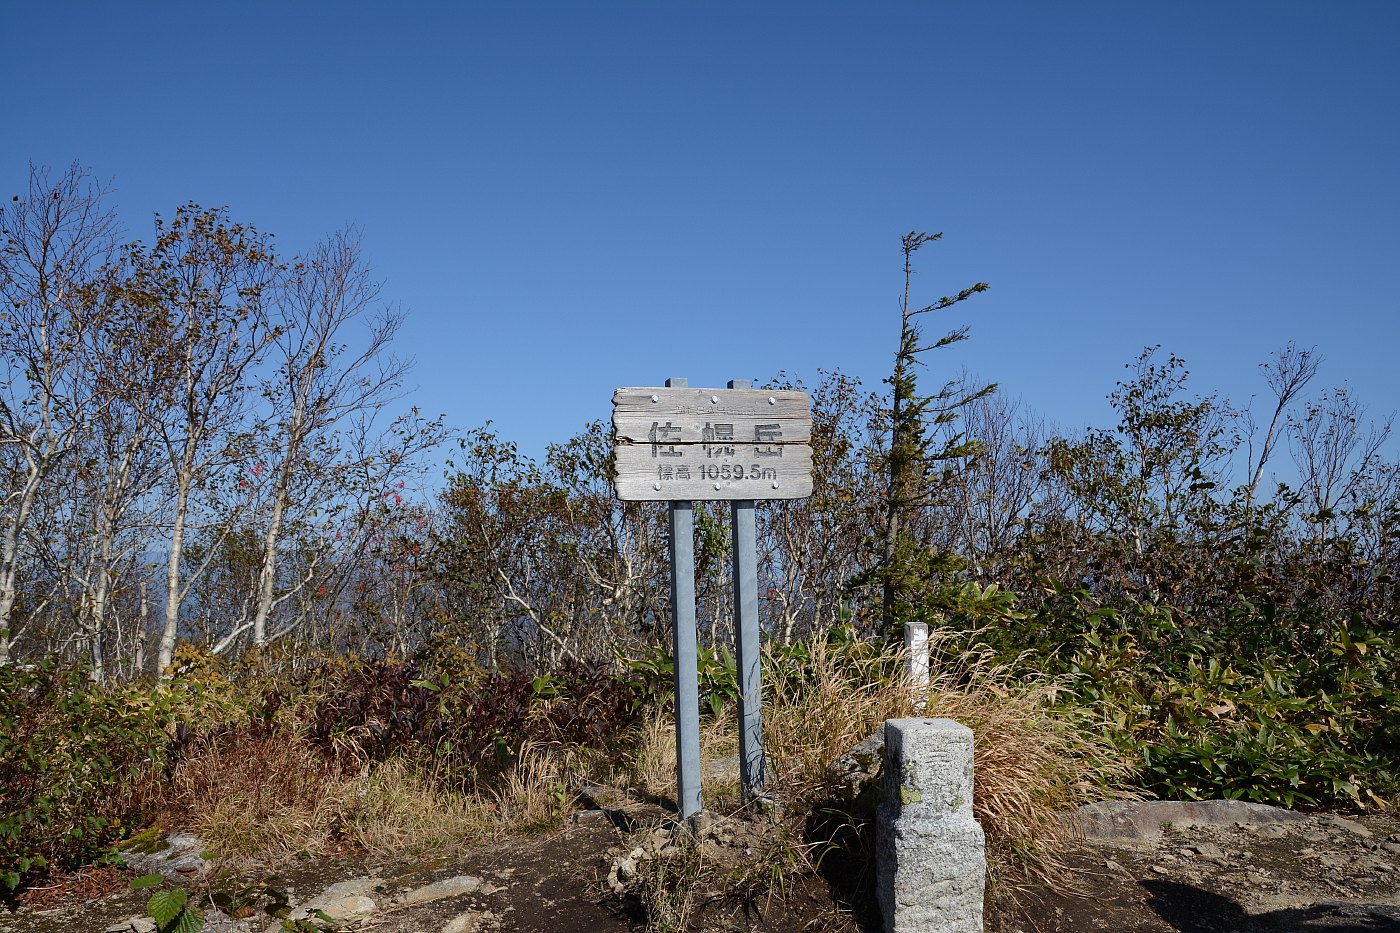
(684, 443)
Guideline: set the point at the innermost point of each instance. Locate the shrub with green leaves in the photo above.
(1203, 719)
(653, 673)
(74, 761)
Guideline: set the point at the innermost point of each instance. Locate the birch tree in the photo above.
(56, 238)
(997, 488)
(811, 548)
(1287, 374)
(368, 533)
(1333, 450)
(115, 483)
(206, 283)
(317, 385)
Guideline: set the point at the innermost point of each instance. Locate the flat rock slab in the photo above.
(439, 890)
(1263, 871)
(131, 925)
(179, 857)
(628, 815)
(600, 798)
(1145, 820)
(469, 922)
(344, 902)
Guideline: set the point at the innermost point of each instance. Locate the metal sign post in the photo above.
(746, 647)
(687, 680)
(685, 663)
(677, 444)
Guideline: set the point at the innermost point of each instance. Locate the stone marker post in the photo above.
(929, 851)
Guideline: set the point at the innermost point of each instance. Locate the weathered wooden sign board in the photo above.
(732, 444)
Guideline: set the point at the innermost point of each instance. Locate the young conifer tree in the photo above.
(917, 455)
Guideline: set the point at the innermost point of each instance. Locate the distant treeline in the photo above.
(194, 447)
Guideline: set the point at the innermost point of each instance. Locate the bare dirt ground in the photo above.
(1325, 873)
(1315, 874)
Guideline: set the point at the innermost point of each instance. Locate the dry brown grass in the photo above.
(398, 810)
(838, 700)
(652, 765)
(269, 796)
(256, 795)
(1032, 763)
(537, 791)
(669, 888)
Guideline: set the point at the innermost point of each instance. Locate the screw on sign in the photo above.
(677, 444)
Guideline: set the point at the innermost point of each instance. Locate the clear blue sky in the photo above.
(571, 197)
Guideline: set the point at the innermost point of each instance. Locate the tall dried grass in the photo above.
(256, 795)
(270, 795)
(651, 767)
(396, 809)
(1032, 762)
(536, 792)
(824, 703)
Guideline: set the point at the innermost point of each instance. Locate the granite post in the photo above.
(930, 852)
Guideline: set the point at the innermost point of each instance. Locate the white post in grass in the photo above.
(930, 854)
(916, 661)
